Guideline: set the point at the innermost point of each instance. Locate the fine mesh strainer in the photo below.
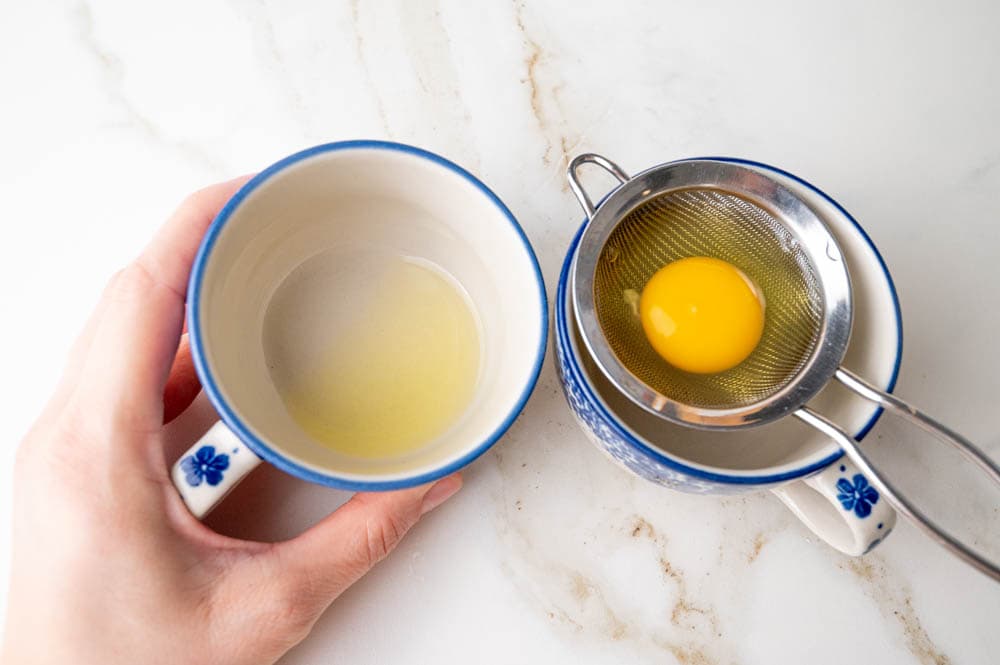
(719, 209)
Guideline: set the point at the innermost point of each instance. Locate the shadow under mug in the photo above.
(805, 469)
(340, 202)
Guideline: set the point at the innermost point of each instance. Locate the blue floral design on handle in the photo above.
(858, 496)
(204, 465)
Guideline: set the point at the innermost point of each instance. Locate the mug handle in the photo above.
(840, 506)
(211, 468)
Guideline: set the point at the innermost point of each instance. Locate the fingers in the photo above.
(169, 256)
(182, 383)
(74, 362)
(134, 345)
(285, 587)
(332, 555)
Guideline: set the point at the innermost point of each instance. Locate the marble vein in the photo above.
(758, 544)
(432, 58)
(685, 612)
(892, 597)
(264, 32)
(583, 590)
(984, 168)
(551, 122)
(359, 45)
(573, 597)
(113, 75)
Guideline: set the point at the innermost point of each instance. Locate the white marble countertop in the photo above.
(112, 110)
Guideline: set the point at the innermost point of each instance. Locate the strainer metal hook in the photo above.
(574, 180)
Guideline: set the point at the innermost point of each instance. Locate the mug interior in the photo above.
(787, 447)
(329, 215)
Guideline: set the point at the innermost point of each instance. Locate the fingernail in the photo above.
(440, 492)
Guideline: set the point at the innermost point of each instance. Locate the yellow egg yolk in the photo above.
(702, 315)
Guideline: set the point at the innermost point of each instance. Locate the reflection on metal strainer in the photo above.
(708, 222)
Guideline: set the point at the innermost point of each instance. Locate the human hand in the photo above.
(108, 565)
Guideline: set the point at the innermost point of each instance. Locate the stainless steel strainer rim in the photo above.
(813, 236)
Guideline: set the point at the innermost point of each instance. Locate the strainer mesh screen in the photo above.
(708, 222)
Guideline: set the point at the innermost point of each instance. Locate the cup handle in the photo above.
(840, 506)
(211, 468)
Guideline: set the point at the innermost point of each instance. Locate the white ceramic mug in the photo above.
(338, 201)
(804, 468)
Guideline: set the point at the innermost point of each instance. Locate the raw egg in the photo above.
(701, 314)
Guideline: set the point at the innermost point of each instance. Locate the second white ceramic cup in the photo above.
(343, 202)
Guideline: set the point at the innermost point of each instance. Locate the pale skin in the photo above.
(108, 566)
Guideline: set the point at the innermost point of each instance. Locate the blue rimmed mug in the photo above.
(805, 469)
(339, 200)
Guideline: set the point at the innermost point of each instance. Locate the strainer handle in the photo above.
(921, 420)
(574, 179)
(892, 495)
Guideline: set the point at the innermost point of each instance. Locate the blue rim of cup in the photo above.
(562, 339)
(233, 421)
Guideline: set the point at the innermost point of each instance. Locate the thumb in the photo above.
(332, 555)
